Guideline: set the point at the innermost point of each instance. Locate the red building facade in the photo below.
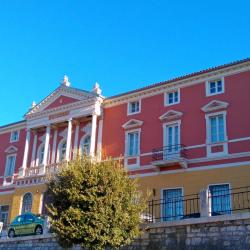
(177, 136)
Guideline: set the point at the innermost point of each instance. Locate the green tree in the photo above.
(94, 204)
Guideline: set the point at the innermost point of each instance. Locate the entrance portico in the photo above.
(48, 122)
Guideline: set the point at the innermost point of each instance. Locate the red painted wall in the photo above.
(193, 126)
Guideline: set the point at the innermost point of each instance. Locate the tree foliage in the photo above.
(94, 204)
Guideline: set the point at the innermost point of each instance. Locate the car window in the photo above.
(19, 219)
(29, 218)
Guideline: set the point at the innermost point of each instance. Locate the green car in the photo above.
(26, 224)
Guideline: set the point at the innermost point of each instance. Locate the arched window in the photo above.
(85, 145)
(27, 203)
(40, 154)
(62, 150)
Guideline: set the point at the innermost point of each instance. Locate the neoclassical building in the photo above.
(178, 136)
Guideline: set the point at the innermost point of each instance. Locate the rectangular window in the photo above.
(215, 87)
(4, 214)
(14, 136)
(10, 165)
(133, 143)
(172, 208)
(172, 141)
(134, 107)
(172, 97)
(220, 199)
(217, 128)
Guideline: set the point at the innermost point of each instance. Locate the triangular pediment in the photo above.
(214, 105)
(63, 95)
(11, 150)
(133, 123)
(171, 115)
(61, 100)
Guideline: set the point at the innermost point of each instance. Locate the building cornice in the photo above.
(180, 82)
(13, 126)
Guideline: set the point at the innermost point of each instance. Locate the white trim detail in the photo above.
(136, 157)
(208, 136)
(11, 136)
(171, 115)
(33, 156)
(215, 80)
(99, 140)
(26, 150)
(132, 124)
(166, 101)
(69, 135)
(128, 107)
(11, 150)
(53, 157)
(75, 151)
(214, 105)
(87, 128)
(93, 135)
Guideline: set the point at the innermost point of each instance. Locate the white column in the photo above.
(99, 140)
(93, 135)
(76, 141)
(46, 146)
(33, 156)
(53, 158)
(69, 134)
(26, 150)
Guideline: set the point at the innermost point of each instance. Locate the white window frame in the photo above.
(212, 80)
(165, 125)
(128, 107)
(39, 152)
(166, 103)
(170, 188)
(82, 142)
(59, 149)
(209, 200)
(208, 135)
(137, 157)
(7, 157)
(11, 134)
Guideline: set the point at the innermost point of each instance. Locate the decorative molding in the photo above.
(214, 105)
(65, 91)
(42, 138)
(156, 89)
(11, 150)
(87, 128)
(63, 134)
(171, 115)
(133, 123)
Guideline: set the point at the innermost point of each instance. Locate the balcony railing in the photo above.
(168, 155)
(41, 170)
(174, 208)
(229, 201)
(169, 152)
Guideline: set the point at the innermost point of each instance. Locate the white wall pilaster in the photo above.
(33, 156)
(69, 135)
(76, 141)
(26, 151)
(93, 135)
(99, 140)
(53, 158)
(46, 146)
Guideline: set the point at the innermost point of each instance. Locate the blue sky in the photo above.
(121, 44)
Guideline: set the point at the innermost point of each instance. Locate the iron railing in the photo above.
(227, 201)
(175, 208)
(171, 152)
